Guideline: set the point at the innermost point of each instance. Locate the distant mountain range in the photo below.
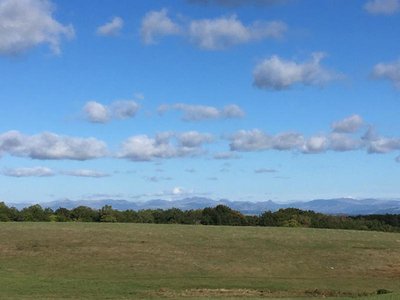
(346, 206)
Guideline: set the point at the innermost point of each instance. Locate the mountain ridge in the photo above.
(335, 206)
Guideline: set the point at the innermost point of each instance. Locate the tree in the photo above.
(84, 214)
(107, 214)
(36, 213)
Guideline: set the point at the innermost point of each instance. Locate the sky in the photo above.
(244, 100)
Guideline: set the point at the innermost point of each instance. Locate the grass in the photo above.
(145, 261)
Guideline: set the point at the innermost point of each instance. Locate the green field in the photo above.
(131, 261)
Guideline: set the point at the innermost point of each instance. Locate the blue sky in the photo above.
(245, 100)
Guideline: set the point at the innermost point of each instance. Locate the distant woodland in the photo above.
(219, 215)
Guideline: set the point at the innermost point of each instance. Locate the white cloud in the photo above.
(96, 112)
(27, 23)
(85, 173)
(287, 140)
(388, 71)
(28, 172)
(344, 142)
(315, 144)
(383, 145)
(157, 24)
(192, 139)
(275, 73)
(111, 28)
(224, 32)
(209, 34)
(382, 7)
(143, 148)
(163, 145)
(49, 145)
(340, 140)
(348, 125)
(232, 111)
(193, 113)
(123, 109)
(250, 140)
(177, 191)
(256, 140)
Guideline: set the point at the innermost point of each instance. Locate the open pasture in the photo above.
(133, 261)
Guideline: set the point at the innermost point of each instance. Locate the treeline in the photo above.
(219, 215)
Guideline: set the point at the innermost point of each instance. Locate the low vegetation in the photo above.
(219, 215)
(77, 260)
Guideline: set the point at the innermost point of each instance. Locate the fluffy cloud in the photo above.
(388, 71)
(250, 140)
(157, 24)
(193, 139)
(224, 32)
(27, 23)
(209, 34)
(256, 140)
(96, 112)
(202, 112)
(275, 73)
(315, 144)
(340, 140)
(343, 142)
(383, 145)
(348, 125)
(49, 145)
(383, 7)
(85, 173)
(123, 109)
(111, 28)
(29, 172)
(163, 145)
(178, 191)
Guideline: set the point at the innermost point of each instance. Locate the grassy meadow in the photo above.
(145, 261)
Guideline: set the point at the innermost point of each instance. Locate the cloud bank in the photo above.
(192, 113)
(275, 73)
(224, 32)
(28, 172)
(341, 139)
(164, 145)
(209, 34)
(96, 112)
(51, 146)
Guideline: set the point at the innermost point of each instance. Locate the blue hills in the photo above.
(345, 206)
